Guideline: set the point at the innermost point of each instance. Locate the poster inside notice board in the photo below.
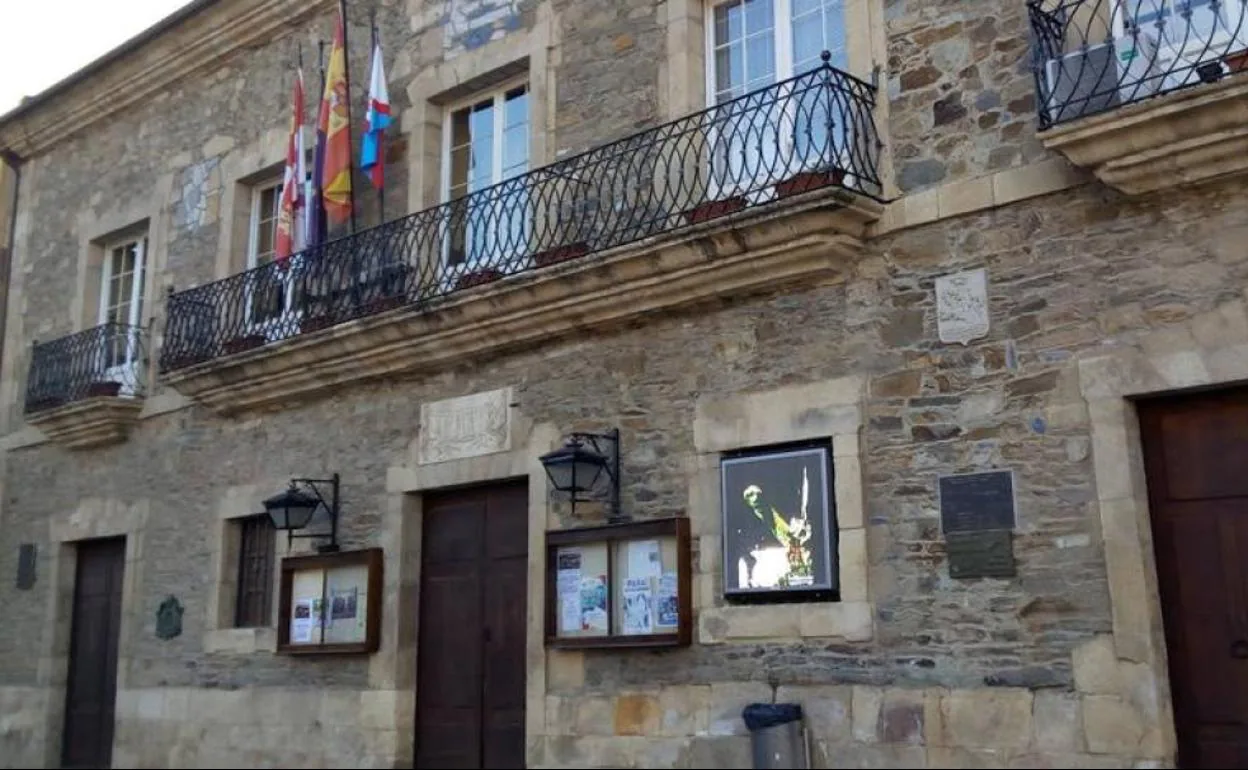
(619, 585)
(581, 587)
(647, 589)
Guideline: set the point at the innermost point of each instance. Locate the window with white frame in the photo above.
(758, 140)
(271, 292)
(755, 43)
(121, 309)
(266, 202)
(485, 143)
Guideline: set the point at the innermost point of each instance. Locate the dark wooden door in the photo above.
(1196, 455)
(95, 625)
(471, 653)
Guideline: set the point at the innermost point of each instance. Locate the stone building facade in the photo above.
(1114, 253)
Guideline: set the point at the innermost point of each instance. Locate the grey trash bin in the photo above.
(777, 737)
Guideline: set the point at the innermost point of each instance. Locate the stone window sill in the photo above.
(240, 641)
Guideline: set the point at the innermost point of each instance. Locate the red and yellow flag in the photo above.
(334, 125)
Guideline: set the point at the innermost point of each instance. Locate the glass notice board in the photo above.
(619, 585)
(331, 603)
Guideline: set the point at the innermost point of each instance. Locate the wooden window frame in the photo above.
(264, 584)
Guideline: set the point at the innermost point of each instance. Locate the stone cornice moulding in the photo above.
(198, 42)
(1195, 135)
(797, 244)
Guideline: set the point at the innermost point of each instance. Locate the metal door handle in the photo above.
(1239, 649)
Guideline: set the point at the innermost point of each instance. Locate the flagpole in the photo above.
(346, 75)
(381, 154)
(318, 213)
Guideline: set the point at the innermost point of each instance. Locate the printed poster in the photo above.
(344, 604)
(569, 591)
(638, 606)
(303, 622)
(594, 604)
(667, 604)
(644, 559)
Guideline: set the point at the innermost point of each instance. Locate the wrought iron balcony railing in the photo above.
(1091, 56)
(108, 360)
(811, 131)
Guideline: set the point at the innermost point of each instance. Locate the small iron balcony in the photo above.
(108, 360)
(813, 131)
(1091, 56)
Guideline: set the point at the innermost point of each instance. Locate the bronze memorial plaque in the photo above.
(972, 502)
(981, 554)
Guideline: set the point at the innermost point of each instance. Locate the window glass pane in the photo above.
(481, 121)
(460, 161)
(515, 150)
(728, 17)
(516, 111)
(805, 6)
(759, 16)
(482, 162)
(264, 246)
(141, 276)
(760, 60)
(729, 72)
(807, 37)
(459, 128)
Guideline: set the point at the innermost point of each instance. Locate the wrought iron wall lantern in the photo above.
(293, 509)
(582, 465)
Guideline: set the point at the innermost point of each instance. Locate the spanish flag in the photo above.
(334, 129)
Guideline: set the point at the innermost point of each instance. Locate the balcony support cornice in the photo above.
(89, 423)
(1195, 135)
(808, 239)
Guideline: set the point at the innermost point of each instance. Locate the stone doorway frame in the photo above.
(1209, 352)
(393, 670)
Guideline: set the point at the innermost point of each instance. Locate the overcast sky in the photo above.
(46, 40)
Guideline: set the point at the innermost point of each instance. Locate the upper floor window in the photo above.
(265, 203)
(121, 307)
(755, 43)
(486, 142)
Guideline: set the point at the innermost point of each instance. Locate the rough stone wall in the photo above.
(961, 90)
(1007, 400)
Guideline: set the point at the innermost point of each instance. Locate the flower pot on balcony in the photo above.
(386, 303)
(1238, 61)
(183, 361)
(315, 323)
(103, 388)
(477, 277)
(809, 180)
(45, 403)
(708, 210)
(560, 254)
(245, 342)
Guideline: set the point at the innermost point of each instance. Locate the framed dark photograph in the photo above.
(779, 524)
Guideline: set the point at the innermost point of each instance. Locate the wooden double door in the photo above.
(1196, 457)
(91, 691)
(471, 649)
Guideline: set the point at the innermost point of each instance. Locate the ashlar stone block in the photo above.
(991, 718)
(1112, 725)
(1057, 722)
